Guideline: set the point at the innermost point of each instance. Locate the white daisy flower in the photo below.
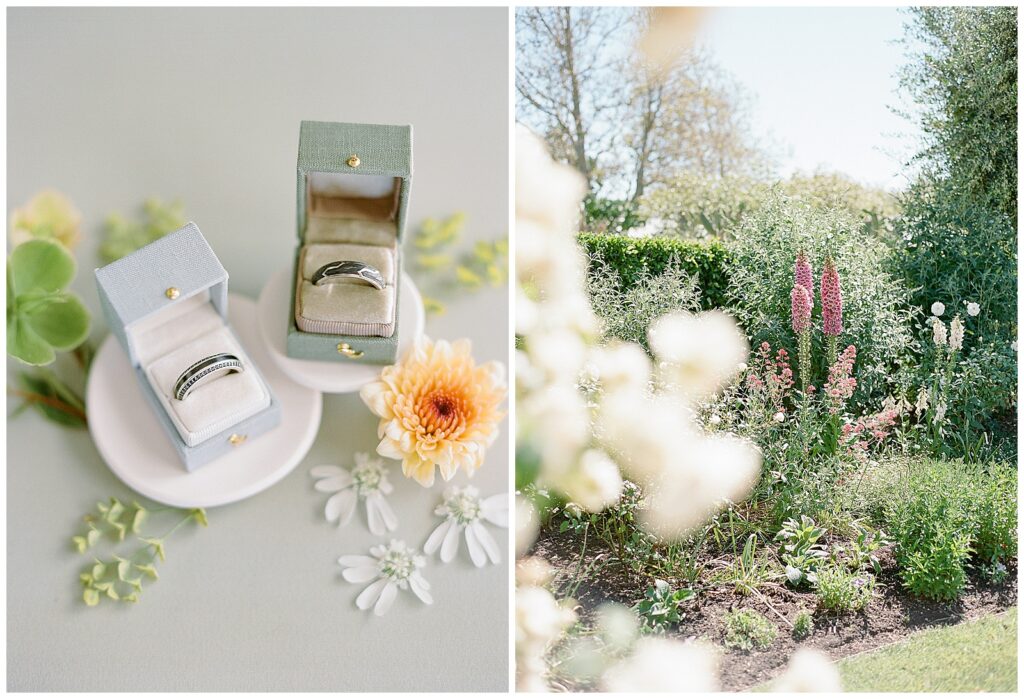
(392, 568)
(368, 480)
(463, 510)
(973, 309)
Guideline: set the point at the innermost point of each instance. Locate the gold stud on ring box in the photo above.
(353, 160)
(237, 439)
(347, 350)
(172, 292)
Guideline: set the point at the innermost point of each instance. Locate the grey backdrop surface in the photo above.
(113, 106)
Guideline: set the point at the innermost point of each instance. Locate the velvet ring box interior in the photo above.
(353, 190)
(167, 304)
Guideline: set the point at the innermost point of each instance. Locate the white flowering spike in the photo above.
(368, 481)
(973, 309)
(391, 568)
(938, 332)
(956, 333)
(938, 308)
(464, 512)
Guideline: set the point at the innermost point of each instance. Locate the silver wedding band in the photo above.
(206, 370)
(342, 270)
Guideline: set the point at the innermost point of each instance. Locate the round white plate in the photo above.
(137, 449)
(329, 377)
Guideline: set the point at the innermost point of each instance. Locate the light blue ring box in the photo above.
(381, 150)
(135, 289)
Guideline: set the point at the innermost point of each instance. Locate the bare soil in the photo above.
(892, 615)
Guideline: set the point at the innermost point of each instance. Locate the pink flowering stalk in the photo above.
(831, 305)
(841, 384)
(800, 309)
(800, 312)
(803, 275)
(869, 430)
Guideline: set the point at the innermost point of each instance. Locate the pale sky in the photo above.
(822, 81)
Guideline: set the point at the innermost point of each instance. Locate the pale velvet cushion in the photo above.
(346, 308)
(217, 405)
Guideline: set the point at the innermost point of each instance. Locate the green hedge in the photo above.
(632, 257)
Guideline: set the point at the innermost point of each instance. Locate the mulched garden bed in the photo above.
(892, 615)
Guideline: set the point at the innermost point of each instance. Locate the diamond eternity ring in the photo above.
(205, 371)
(341, 270)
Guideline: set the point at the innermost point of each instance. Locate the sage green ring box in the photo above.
(167, 305)
(353, 185)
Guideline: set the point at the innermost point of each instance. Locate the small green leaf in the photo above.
(199, 514)
(91, 596)
(135, 582)
(40, 264)
(62, 322)
(433, 307)
(115, 510)
(123, 567)
(24, 343)
(467, 277)
(132, 598)
(93, 536)
(158, 547)
(86, 578)
(81, 543)
(140, 516)
(98, 570)
(147, 569)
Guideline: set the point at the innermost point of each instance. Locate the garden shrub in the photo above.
(633, 259)
(876, 318)
(841, 590)
(602, 215)
(942, 514)
(696, 206)
(659, 608)
(746, 630)
(803, 625)
(959, 231)
(626, 314)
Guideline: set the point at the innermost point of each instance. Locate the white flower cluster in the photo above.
(638, 423)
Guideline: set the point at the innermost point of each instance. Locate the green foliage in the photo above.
(801, 552)
(633, 547)
(442, 268)
(660, 607)
(941, 514)
(602, 215)
(52, 398)
(748, 571)
(803, 625)
(862, 552)
(875, 318)
(959, 233)
(42, 317)
(122, 236)
(634, 259)
(963, 76)
(696, 206)
(626, 314)
(841, 590)
(746, 630)
(121, 577)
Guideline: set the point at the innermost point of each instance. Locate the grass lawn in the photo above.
(970, 657)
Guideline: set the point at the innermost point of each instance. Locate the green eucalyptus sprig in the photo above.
(122, 236)
(42, 316)
(485, 264)
(121, 577)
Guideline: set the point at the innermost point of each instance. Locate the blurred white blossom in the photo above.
(664, 665)
(540, 620)
(938, 308)
(701, 352)
(809, 671)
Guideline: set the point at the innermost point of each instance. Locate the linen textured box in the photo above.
(167, 304)
(353, 185)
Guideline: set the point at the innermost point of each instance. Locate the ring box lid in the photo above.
(134, 291)
(353, 182)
